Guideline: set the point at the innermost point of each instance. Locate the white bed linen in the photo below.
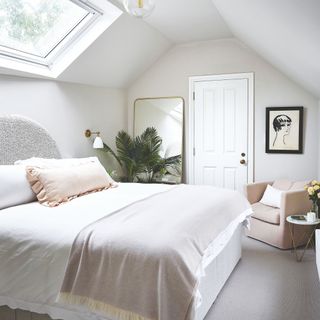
(35, 242)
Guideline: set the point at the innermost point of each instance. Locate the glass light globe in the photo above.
(139, 8)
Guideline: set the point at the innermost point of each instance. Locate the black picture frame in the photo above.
(280, 117)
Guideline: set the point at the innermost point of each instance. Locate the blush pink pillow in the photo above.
(56, 185)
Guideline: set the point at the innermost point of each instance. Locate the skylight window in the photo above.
(40, 32)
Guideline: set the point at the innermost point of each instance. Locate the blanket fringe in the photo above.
(99, 306)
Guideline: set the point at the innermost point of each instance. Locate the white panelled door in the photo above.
(221, 133)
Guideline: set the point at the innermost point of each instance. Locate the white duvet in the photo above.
(35, 242)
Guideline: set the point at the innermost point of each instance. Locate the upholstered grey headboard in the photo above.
(23, 138)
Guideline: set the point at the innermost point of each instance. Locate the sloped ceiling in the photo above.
(124, 51)
(186, 21)
(119, 55)
(127, 48)
(284, 32)
(132, 45)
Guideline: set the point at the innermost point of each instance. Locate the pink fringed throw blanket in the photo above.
(140, 262)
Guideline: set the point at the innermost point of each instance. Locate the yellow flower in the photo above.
(311, 191)
(316, 187)
(314, 182)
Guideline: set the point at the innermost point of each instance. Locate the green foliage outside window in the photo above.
(28, 21)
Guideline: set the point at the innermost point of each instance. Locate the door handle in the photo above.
(242, 161)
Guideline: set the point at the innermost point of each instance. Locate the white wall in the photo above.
(66, 111)
(169, 77)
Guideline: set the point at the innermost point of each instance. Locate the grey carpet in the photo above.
(268, 284)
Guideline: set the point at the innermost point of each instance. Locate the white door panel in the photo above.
(221, 133)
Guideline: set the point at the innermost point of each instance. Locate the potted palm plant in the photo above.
(140, 159)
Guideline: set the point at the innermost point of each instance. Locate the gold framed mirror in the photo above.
(166, 115)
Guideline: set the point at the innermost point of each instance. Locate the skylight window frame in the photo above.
(103, 14)
(71, 37)
(20, 53)
(16, 54)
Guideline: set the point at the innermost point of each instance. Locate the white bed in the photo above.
(35, 242)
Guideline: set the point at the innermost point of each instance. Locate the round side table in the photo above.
(292, 222)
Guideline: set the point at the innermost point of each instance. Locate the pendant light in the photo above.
(139, 8)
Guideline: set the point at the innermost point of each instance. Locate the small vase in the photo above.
(315, 209)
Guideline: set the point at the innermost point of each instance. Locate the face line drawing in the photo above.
(281, 125)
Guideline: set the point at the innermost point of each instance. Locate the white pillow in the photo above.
(14, 187)
(271, 197)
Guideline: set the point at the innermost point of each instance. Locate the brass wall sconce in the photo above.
(97, 143)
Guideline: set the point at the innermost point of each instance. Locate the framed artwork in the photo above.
(284, 129)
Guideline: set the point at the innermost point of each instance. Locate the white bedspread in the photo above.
(35, 243)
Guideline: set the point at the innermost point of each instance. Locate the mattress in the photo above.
(35, 243)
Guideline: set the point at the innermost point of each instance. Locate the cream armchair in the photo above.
(269, 224)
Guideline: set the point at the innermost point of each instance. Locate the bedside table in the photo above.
(309, 234)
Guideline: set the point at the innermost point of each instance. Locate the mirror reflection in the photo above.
(166, 116)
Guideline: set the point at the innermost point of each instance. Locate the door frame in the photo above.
(190, 143)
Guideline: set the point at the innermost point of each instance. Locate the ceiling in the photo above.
(130, 46)
(186, 21)
(124, 51)
(286, 33)
(137, 44)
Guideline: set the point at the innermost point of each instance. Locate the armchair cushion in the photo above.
(254, 191)
(266, 213)
(272, 197)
